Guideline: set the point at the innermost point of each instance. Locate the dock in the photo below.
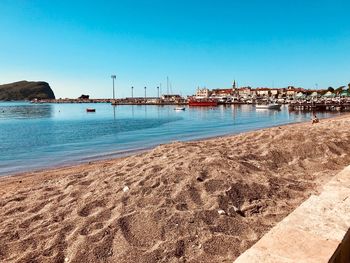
(319, 106)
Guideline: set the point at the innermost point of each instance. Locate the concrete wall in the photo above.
(317, 231)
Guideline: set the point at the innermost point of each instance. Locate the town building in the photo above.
(221, 92)
(262, 92)
(203, 93)
(274, 92)
(245, 91)
(292, 91)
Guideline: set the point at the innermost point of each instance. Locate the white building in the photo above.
(202, 93)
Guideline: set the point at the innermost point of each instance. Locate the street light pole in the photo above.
(113, 78)
(167, 86)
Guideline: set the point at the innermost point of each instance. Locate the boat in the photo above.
(179, 108)
(202, 102)
(90, 110)
(270, 106)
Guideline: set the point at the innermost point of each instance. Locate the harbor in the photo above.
(296, 98)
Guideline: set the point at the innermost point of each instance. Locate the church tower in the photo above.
(234, 85)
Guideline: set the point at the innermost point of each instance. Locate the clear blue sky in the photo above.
(77, 45)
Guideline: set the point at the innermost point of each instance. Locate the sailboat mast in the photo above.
(167, 85)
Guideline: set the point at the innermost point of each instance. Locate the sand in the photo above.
(202, 201)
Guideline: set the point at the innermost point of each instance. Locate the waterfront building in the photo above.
(329, 94)
(222, 92)
(344, 93)
(300, 95)
(274, 92)
(248, 94)
(253, 93)
(263, 92)
(282, 92)
(203, 93)
(245, 92)
(314, 94)
(291, 91)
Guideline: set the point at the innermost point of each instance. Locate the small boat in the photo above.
(90, 110)
(179, 108)
(271, 106)
(202, 102)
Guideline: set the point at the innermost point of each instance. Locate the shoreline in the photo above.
(198, 201)
(131, 152)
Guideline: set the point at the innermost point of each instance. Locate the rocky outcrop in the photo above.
(26, 90)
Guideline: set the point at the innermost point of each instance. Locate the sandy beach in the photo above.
(202, 201)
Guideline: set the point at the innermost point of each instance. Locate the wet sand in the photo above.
(203, 201)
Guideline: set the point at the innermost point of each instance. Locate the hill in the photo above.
(26, 90)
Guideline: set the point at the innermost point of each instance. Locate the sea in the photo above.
(38, 136)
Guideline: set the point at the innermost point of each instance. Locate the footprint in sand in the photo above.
(140, 230)
(27, 222)
(39, 206)
(15, 210)
(86, 183)
(90, 207)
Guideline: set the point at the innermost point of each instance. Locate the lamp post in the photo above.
(113, 78)
(167, 85)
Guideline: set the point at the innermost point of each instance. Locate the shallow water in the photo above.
(34, 136)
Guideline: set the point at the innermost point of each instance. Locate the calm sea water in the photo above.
(34, 136)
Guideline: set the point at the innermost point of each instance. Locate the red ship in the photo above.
(202, 102)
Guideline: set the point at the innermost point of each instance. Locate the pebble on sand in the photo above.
(221, 212)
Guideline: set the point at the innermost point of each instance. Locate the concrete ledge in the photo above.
(317, 231)
(342, 254)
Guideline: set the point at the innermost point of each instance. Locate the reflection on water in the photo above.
(113, 111)
(56, 134)
(31, 111)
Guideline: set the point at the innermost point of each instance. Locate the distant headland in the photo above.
(26, 90)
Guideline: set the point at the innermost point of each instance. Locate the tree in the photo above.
(339, 90)
(330, 89)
